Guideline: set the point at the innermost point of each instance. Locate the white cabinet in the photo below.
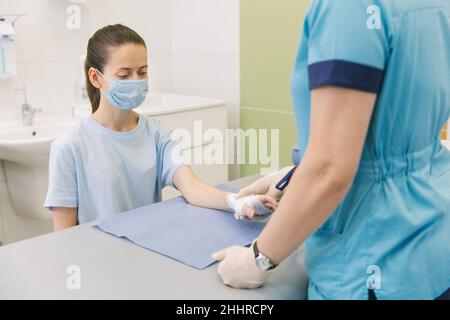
(213, 174)
(210, 118)
(203, 118)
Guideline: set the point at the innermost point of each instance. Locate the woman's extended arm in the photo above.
(201, 194)
(198, 192)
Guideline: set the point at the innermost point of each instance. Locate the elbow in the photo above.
(190, 196)
(337, 179)
(189, 199)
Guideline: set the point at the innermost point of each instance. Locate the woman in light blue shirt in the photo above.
(117, 160)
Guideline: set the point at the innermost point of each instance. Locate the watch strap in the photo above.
(257, 254)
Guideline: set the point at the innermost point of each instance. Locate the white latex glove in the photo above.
(266, 185)
(238, 268)
(254, 207)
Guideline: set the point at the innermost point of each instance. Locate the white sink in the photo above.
(25, 152)
(31, 144)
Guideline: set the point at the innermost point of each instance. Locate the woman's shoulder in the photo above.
(70, 138)
(151, 121)
(155, 126)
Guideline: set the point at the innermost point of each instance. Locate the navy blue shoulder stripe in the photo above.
(345, 74)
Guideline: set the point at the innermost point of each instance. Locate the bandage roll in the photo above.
(252, 201)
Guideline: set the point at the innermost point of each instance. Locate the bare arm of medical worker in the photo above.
(201, 194)
(64, 218)
(339, 123)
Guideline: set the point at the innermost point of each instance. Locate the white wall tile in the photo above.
(46, 92)
(42, 34)
(215, 76)
(9, 100)
(205, 46)
(150, 18)
(160, 73)
(205, 26)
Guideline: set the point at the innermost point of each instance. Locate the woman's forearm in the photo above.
(199, 193)
(314, 192)
(208, 196)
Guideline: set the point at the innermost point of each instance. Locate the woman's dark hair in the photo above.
(98, 53)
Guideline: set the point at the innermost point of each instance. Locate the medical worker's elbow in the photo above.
(338, 179)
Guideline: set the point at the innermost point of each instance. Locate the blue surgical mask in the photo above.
(126, 94)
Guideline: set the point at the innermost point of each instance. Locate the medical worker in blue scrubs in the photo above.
(371, 198)
(117, 160)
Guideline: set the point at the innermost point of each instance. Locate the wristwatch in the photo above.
(262, 261)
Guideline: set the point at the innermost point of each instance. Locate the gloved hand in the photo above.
(254, 207)
(266, 185)
(238, 268)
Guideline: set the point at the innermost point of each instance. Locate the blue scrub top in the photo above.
(391, 233)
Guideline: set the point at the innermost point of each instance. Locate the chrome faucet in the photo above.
(28, 111)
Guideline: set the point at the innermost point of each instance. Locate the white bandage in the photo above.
(251, 201)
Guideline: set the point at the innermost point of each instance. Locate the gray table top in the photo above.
(114, 268)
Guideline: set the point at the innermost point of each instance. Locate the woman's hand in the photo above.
(266, 185)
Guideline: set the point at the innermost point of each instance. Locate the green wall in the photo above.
(270, 33)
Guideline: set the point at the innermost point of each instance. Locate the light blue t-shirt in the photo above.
(103, 172)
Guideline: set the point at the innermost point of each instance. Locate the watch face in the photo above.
(263, 263)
